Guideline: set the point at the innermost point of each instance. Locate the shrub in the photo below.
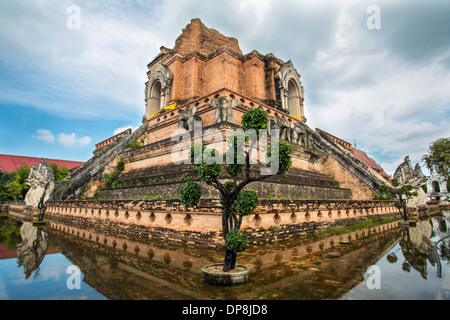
(134, 145)
(190, 194)
(246, 203)
(236, 241)
(254, 118)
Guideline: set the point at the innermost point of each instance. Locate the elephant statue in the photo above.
(187, 118)
(224, 109)
(281, 124)
(298, 134)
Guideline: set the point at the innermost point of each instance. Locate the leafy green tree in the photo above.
(236, 202)
(17, 187)
(59, 172)
(438, 157)
(399, 193)
(5, 179)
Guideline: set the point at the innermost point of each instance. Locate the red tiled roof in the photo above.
(11, 163)
(361, 155)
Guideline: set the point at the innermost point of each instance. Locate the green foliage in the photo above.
(59, 172)
(385, 193)
(284, 157)
(254, 118)
(134, 145)
(109, 178)
(235, 166)
(438, 156)
(120, 165)
(207, 162)
(190, 194)
(10, 233)
(5, 179)
(246, 203)
(399, 193)
(236, 241)
(13, 184)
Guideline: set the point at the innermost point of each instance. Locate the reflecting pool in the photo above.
(382, 262)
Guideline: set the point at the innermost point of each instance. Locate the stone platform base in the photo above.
(168, 221)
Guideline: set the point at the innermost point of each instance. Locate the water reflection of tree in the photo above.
(10, 233)
(31, 251)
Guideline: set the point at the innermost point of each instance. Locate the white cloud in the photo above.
(67, 140)
(389, 89)
(119, 130)
(84, 141)
(363, 90)
(44, 135)
(71, 140)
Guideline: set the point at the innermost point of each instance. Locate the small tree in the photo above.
(400, 193)
(236, 202)
(59, 172)
(17, 187)
(438, 157)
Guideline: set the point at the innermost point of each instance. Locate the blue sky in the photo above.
(62, 90)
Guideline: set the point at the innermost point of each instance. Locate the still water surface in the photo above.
(38, 264)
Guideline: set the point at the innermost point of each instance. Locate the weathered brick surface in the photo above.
(197, 37)
(204, 61)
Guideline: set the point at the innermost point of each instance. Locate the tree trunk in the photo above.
(230, 260)
(405, 213)
(227, 225)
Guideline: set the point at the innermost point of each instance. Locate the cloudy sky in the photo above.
(68, 83)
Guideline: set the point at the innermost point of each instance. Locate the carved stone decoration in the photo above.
(298, 134)
(286, 74)
(407, 176)
(162, 74)
(224, 108)
(283, 125)
(187, 117)
(42, 182)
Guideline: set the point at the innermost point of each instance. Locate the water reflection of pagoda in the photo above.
(125, 268)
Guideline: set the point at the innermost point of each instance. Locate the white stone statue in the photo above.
(406, 175)
(42, 182)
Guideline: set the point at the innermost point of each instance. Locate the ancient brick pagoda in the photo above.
(207, 78)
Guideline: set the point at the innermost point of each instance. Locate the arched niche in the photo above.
(157, 90)
(294, 105)
(290, 89)
(154, 99)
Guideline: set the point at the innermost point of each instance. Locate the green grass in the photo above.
(353, 227)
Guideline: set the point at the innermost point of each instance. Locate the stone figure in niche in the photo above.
(187, 117)
(224, 109)
(283, 125)
(42, 182)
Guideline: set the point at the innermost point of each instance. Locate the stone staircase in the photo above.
(68, 187)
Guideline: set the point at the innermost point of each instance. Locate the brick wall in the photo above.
(169, 221)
